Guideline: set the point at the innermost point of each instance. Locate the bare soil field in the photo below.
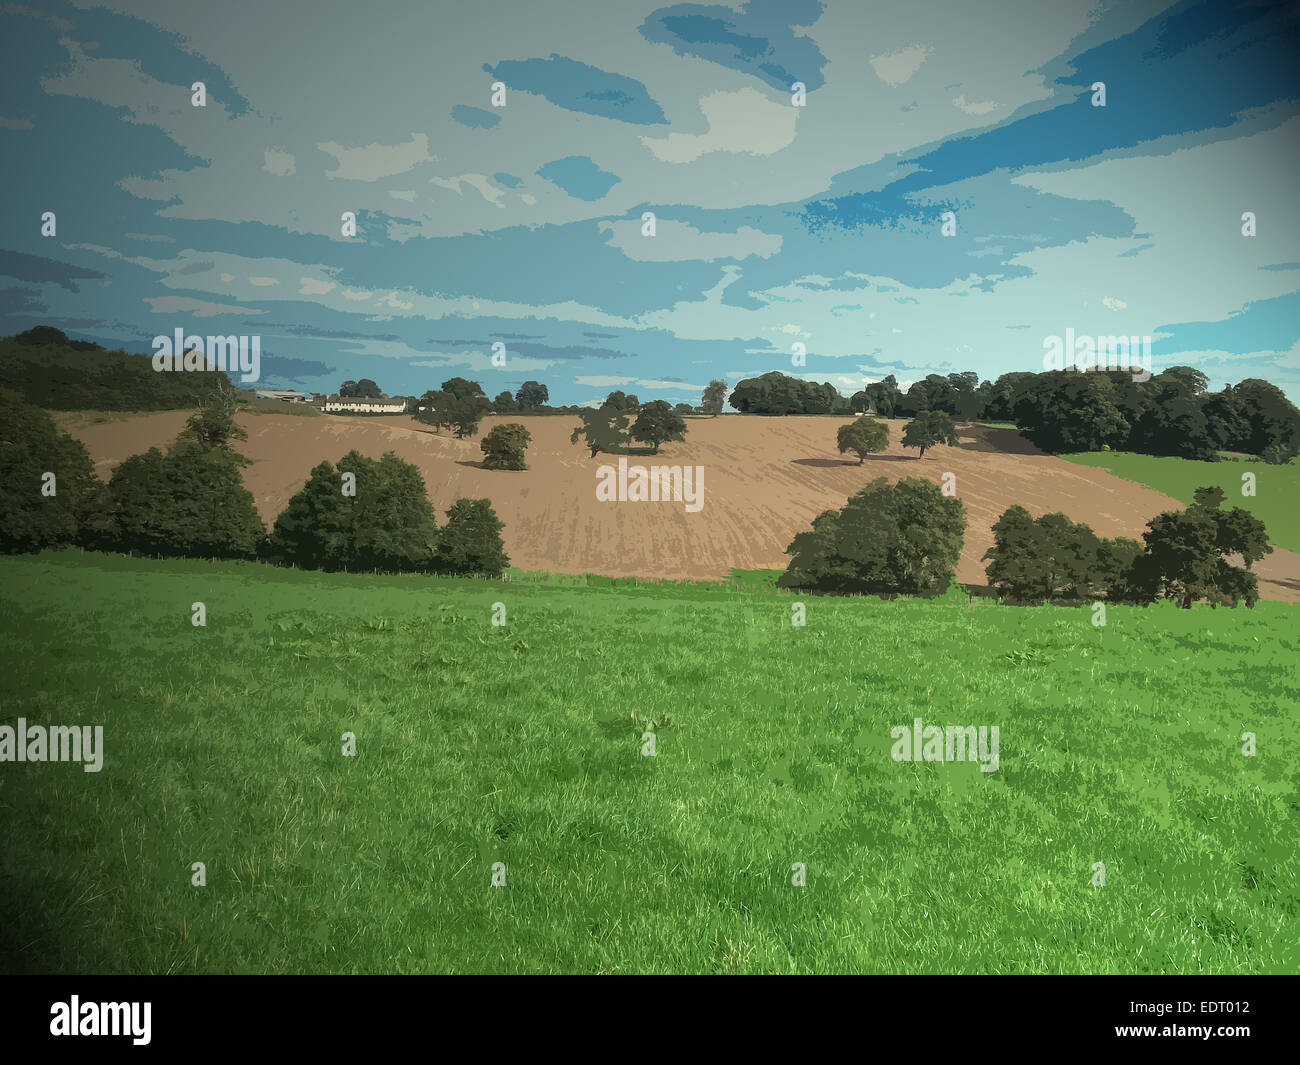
(764, 480)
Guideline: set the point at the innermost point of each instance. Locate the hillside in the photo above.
(765, 479)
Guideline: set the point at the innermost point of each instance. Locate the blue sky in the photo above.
(775, 224)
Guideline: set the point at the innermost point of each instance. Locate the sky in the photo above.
(780, 218)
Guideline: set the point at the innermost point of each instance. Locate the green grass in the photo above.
(1277, 488)
(522, 744)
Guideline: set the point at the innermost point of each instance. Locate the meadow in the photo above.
(522, 744)
(1276, 501)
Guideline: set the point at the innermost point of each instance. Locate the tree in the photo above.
(505, 403)
(778, 393)
(213, 424)
(387, 525)
(363, 389)
(42, 335)
(657, 423)
(888, 539)
(603, 429)
(31, 446)
(463, 405)
(471, 542)
(619, 400)
(189, 503)
(1187, 552)
(683, 409)
(885, 396)
(928, 429)
(1047, 558)
(431, 409)
(531, 394)
(863, 437)
(505, 447)
(714, 394)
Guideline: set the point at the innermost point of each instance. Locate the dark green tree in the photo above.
(506, 447)
(470, 542)
(928, 429)
(603, 429)
(863, 437)
(531, 395)
(505, 403)
(657, 423)
(888, 539)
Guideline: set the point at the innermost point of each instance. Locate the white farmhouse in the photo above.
(348, 405)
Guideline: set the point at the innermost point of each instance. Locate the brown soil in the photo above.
(765, 479)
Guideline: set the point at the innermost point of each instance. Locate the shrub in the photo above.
(904, 538)
(470, 542)
(506, 447)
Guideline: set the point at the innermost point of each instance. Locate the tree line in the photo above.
(906, 539)
(1172, 413)
(190, 501)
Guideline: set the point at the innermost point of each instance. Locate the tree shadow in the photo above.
(471, 465)
(1003, 441)
(822, 463)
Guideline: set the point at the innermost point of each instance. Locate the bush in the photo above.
(506, 447)
(470, 542)
(31, 445)
(388, 524)
(904, 538)
(190, 503)
(1047, 558)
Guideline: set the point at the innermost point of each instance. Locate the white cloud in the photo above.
(897, 67)
(279, 162)
(15, 123)
(375, 161)
(310, 286)
(1112, 304)
(263, 282)
(744, 121)
(974, 108)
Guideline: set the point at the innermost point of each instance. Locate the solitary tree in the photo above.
(603, 429)
(928, 428)
(863, 437)
(505, 447)
(657, 423)
(714, 394)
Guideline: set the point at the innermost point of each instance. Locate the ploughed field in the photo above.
(764, 480)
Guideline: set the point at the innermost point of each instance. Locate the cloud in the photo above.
(376, 161)
(474, 117)
(743, 121)
(16, 123)
(263, 282)
(1113, 304)
(198, 308)
(677, 241)
(578, 87)
(895, 68)
(579, 176)
(974, 108)
(758, 40)
(278, 162)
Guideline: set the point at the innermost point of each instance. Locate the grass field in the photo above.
(522, 744)
(1277, 488)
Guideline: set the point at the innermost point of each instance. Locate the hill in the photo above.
(765, 479)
